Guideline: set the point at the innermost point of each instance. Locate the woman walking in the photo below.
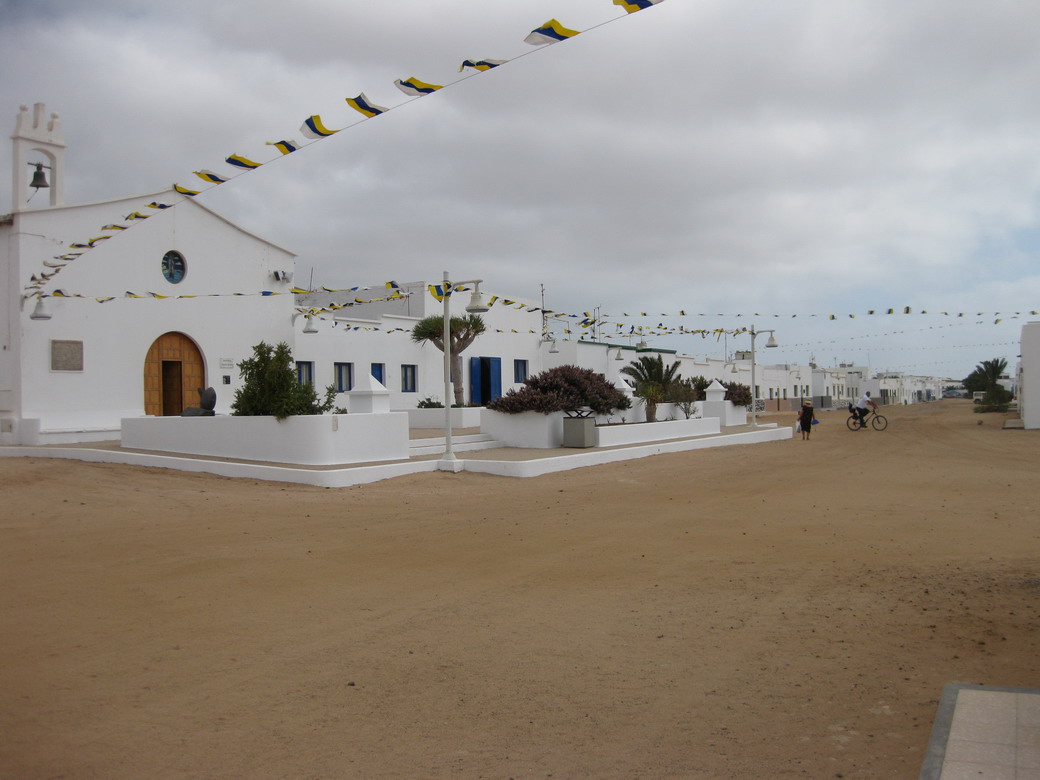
(805, 419)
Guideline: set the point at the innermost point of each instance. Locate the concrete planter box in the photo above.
(579, 432)
(528, 430)
(639, 433)
(310, 440)
(465, 417)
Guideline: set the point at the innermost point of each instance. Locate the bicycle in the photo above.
(877, 422)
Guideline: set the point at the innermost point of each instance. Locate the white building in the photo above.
(125, 308)
(1028, 380)
(77, 353)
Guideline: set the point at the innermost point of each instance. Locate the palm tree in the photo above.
(651, 381)
(992, 371)
(463, 331)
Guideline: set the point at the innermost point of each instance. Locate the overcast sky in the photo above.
(800, 157)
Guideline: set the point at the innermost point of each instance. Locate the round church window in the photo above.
(173, 267)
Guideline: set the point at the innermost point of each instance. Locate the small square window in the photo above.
(409, 374)
(344, 377)
(305, 372)
(519, 371)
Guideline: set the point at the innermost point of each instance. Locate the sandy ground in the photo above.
(790, 609)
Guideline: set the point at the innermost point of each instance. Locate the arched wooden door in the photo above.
(173, 373)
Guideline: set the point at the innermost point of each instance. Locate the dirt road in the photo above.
(790, 609)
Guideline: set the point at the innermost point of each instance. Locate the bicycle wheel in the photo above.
(879, 423)
(852, 423)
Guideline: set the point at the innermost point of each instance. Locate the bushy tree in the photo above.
(651, 381)
(685, 393)
(270, 388)
(563, 389)
(737, 394)
(462, 331)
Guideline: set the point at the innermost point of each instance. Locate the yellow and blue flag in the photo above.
(416, 88)
(242, 162)
(481, 64)
(361, 103)
(313, 128)
(550, 32)
(210, 176)
(635, 5)
(285, 147)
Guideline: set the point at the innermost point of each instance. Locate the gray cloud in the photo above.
(709, 156)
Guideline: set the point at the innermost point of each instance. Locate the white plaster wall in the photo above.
(615, 435)
(1029, 378)
(116, 335)
(313, 440)
(527, 430)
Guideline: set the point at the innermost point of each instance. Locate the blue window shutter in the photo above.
(495, 370)
(475, 395)
(377, 372)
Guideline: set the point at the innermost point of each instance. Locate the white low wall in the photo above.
(725, 411)
(310, 440)
(465, 417)
(614, 435)
(527, 430)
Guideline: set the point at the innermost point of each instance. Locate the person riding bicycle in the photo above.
(863, 407)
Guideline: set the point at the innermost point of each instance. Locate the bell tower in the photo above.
(34, 136)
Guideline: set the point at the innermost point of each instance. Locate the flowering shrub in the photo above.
(563, 389)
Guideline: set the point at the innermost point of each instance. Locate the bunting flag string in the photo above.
(315, 129)
(396, 294)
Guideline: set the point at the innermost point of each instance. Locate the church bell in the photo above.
(39, 179)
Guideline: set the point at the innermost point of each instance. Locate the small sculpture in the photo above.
(207, 403)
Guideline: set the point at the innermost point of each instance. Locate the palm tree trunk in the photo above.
(456, 378)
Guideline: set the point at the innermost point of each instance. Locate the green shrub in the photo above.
(985, 407)
(563, 389)
(737, 394)
(270, 388)
(685, 393)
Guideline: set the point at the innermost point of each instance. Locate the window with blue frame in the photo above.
(519, 371)
(305, 372)
(344, 377)
(409, 378)
(378, 372)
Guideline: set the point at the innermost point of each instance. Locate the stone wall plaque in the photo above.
(66, 355)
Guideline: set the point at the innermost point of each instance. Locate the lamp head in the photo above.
(771, 342)
(309, 325)
(39, 312)
(476, 303)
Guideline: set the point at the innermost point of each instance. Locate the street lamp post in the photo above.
(449, 462)
(769, 344)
